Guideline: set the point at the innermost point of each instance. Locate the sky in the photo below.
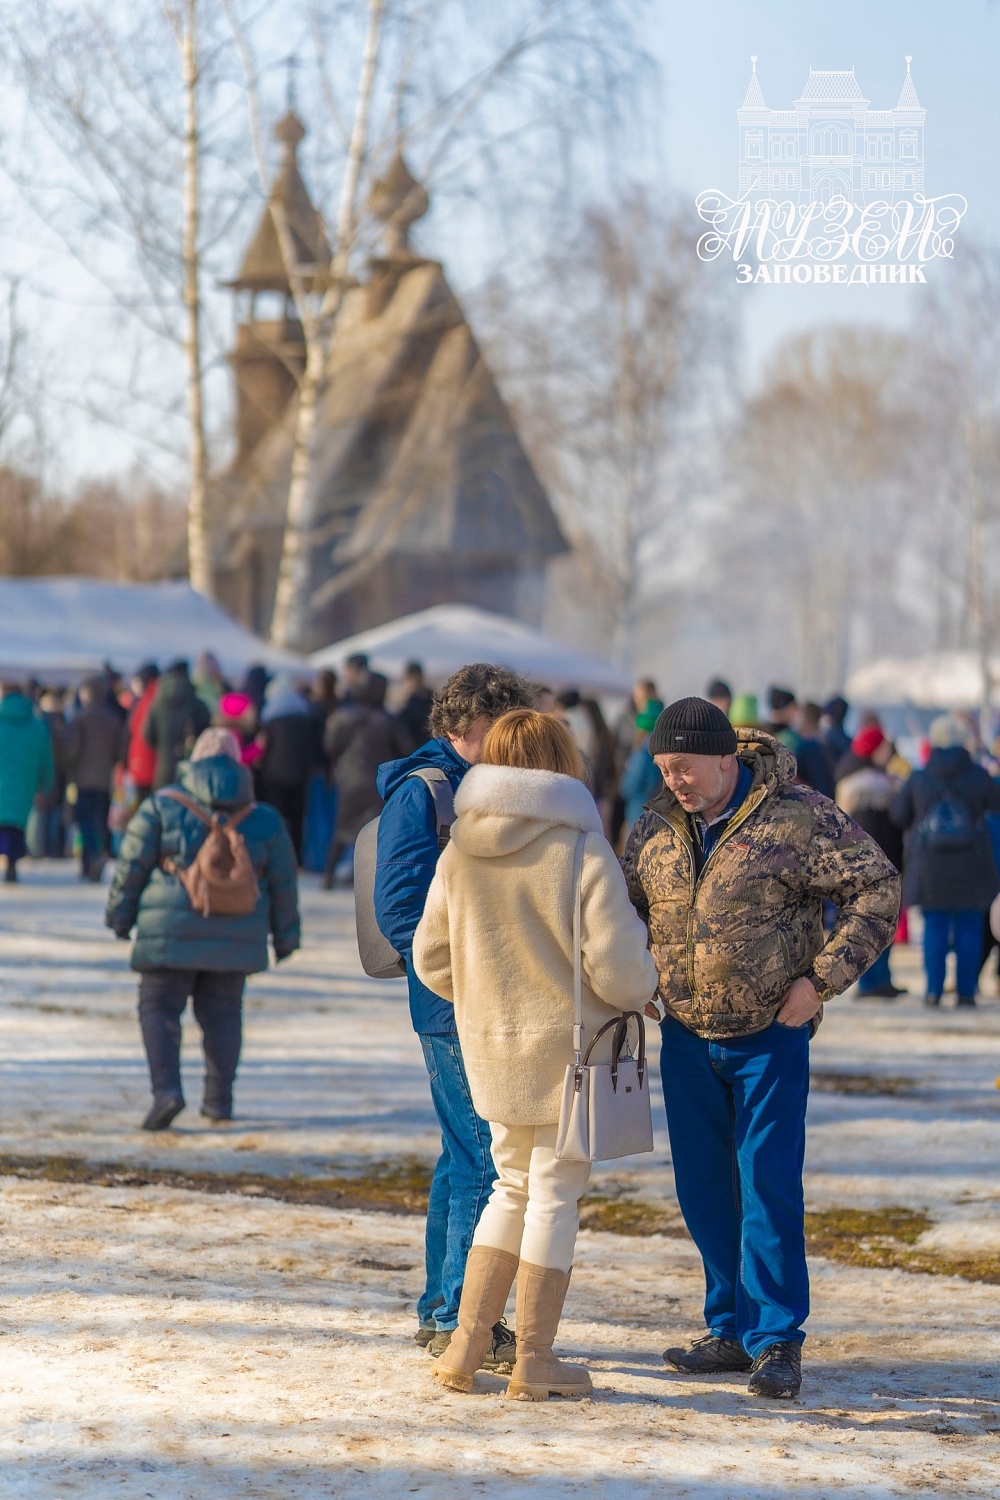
(704, 52)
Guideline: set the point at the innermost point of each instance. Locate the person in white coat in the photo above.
(496, 940)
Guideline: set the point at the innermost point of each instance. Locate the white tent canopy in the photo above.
(448, 636)
(942, 679)
(62, 628)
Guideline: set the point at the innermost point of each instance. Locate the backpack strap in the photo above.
(211, 820)
(188, 802)
(443, 799)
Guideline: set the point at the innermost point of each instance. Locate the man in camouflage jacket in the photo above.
(729, 866)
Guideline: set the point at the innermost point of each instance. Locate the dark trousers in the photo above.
(736, 1113)
(290, 801)
(218, 1009)
(92, 808)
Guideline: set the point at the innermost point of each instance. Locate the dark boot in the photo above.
(709, 1356)
(932, 1000)
(11, 876)
(777, 1371)
(966, 1002)
(166, 1108)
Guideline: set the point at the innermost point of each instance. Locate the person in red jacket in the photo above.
(140, 758)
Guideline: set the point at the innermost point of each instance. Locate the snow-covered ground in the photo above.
(157, 1342)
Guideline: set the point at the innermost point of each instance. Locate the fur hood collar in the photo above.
(500, 809)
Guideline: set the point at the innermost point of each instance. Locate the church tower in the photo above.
(270, 347)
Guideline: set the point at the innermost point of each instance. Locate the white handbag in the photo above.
(605, 1110)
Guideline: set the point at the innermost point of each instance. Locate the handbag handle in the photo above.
(621, 1023)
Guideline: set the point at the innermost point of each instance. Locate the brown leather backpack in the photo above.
(220, 880)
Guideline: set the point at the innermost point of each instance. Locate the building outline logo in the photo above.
(831, 191)
(831, 144)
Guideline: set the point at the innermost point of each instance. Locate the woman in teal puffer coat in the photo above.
(180, 953)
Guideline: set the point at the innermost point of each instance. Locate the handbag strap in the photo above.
(578, 950)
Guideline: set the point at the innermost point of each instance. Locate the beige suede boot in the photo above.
(489, 1276)
(537, 1375)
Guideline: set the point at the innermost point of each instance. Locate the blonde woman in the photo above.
(496, 941)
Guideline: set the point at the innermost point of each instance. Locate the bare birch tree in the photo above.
(611, 369)
(115, 97)
(547, 56)
(818, 528)
(959, 387)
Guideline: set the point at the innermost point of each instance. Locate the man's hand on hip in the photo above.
(800, 1004)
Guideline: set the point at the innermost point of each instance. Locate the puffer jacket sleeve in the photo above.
(140, 850)
(281, 877)
(432, 939)
(630, 865)
(616, 961)
(844, 865)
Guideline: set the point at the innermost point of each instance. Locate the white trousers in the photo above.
(533, 1210)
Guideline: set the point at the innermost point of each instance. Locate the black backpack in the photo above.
(379, 958)
(947, 826)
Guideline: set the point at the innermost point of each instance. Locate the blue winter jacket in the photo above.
(405, 863)
(170, 933)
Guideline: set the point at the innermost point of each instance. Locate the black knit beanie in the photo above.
(692, 726)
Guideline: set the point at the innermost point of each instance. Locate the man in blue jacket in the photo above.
(408, 852)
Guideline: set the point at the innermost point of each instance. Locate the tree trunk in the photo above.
(289, 621)
(199, 544)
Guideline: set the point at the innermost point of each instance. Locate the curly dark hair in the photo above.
(476, 692)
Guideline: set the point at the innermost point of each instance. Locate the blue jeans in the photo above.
(736, 1113)
(963, 931)
(462, 1182)
(878, 976)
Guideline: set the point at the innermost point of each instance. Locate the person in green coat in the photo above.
(26, 770)
(178, 952)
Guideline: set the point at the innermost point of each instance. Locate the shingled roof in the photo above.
(263, 268)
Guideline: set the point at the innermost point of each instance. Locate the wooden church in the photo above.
(424, 494)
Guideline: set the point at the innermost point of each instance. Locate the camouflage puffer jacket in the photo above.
(728, 945)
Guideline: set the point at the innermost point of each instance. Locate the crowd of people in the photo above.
(76, 764)
(733, 870)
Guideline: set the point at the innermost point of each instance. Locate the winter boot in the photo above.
(537, 1374)
(709, 1356)
(777, 1371)
(166, 1108)
(489, 1276)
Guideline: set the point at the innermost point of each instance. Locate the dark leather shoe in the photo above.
(709, 1356)
(777, 1371)
(166, 1108)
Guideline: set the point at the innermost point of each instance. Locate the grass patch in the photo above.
(886, 1085)
(612, 1215)
(882, 1238)
(399, 1185)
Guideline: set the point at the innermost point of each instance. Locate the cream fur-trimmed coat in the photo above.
(496, 937)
